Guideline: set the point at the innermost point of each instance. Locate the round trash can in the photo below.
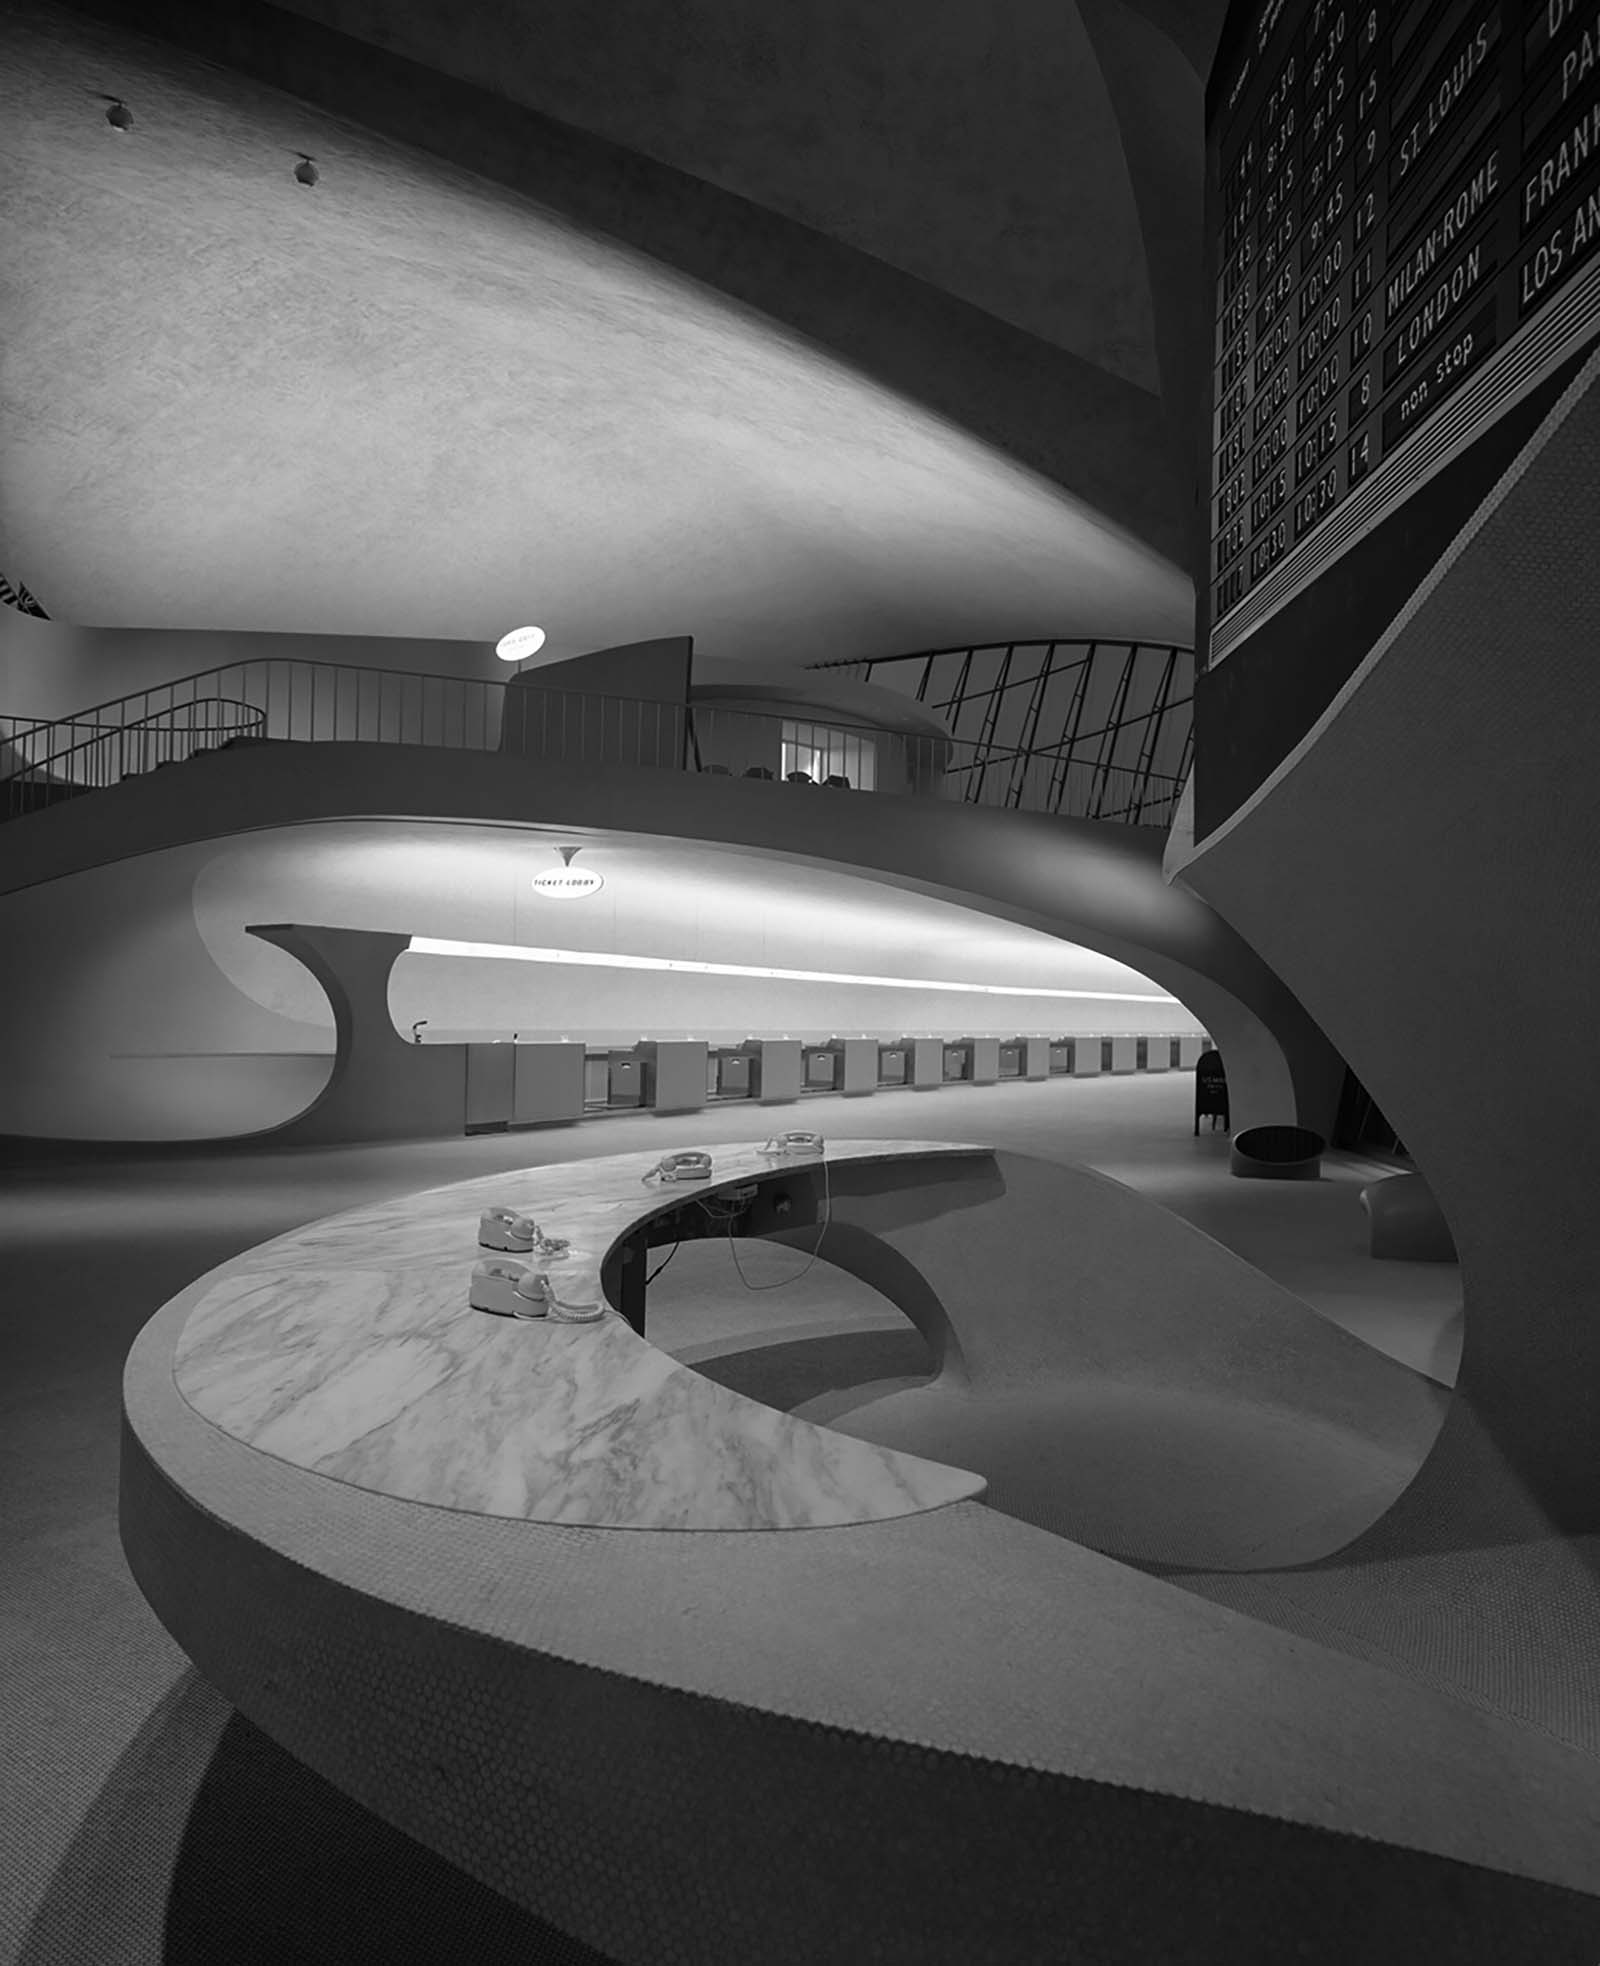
(1277, 1153)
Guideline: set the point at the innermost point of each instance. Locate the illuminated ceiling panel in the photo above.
(676, 902)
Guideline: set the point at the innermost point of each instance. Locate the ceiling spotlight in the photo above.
(519, 644)
(119, 115)
(306, 170)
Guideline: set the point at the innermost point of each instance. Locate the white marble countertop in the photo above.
(348, 1348)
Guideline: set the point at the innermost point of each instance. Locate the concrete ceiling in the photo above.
(414, 401)
(972, 146)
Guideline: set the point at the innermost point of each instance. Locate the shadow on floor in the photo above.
(277, 1865)
(276, 1868)
(271, 1865)
(839, 1369)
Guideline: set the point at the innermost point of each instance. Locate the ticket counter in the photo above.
(673, 1075)
(985, 1054)
(731, 1072)
(858, 1061)
(612, 1079)
(776, 1069)
(548, 1083)
(819, 1069)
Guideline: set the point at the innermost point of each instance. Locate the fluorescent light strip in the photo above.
(427, 945)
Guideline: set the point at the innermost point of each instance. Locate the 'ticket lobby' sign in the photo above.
(566, 884)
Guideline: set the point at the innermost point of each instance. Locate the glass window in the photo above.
(825, 754)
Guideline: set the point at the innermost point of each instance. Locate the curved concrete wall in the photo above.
(141, 1005)
(1091, 883)
(684, 903)
(1422, 871)
(116, 1021)
(380, 1087)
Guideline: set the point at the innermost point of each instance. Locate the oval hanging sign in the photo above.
(567, 884)
(519, 644)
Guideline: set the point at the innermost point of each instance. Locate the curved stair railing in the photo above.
(43, 762)
(286, 700)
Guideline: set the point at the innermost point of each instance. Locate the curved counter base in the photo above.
(951, 1738)
(943, 1737)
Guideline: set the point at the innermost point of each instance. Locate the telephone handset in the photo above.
(509, 1289)
(513, 1290)
(681, 1167)
(795, 1143)
(504, 1228)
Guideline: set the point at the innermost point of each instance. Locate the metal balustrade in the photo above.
(283, 700)
(42, 762)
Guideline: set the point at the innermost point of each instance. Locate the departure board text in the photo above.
(1398, 189)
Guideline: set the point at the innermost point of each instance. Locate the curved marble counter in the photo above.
(944, 1738)
(348, 1348)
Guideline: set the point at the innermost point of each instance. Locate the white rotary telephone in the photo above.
(795, 1143)
(513, 1290)
(509, 1289)
(504, 1228)
(681, 1167)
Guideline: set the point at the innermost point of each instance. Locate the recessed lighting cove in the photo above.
(428, 945)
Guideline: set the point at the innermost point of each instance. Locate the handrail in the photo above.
(252, 662)
(289, 699)
(254, 718)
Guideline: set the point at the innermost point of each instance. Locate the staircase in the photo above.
(43, 763)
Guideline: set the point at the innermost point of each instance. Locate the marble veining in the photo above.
(348, 1347)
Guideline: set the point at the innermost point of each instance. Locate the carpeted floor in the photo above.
(140, 1820)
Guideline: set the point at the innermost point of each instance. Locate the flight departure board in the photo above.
(1404, 217)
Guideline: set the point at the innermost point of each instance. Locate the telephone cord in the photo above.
(733, 1215)
(827, 1210)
